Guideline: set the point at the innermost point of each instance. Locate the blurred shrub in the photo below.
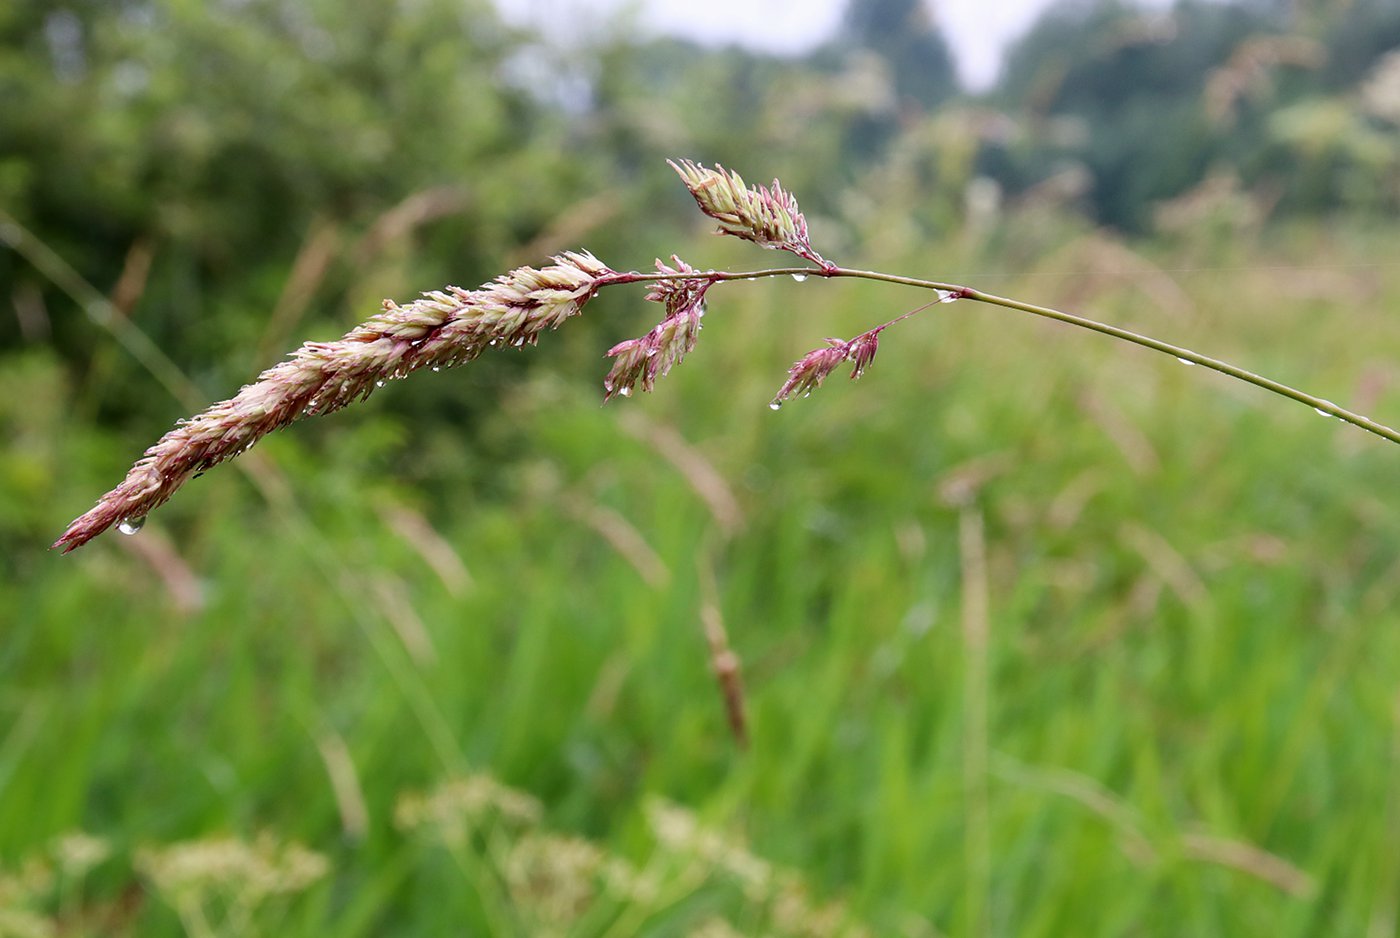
(213, 136)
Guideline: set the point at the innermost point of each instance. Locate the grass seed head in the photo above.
(438, 330)
(644, 360)
(809, 371)
(767, 216)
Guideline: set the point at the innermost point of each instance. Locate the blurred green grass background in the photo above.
(1040, 634)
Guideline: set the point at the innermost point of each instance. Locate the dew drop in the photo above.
(130, 526)
(437, 368)
(775, 405)
(946, 296)
(1185, 361)
(1321, 412)
(799, 277)
(625, 392)
(379, 383)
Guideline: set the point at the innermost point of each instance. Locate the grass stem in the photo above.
(1180, 353)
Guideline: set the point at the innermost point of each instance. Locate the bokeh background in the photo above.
(1039, 634)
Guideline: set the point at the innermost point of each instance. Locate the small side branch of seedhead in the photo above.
(809, 371)
(449, 327)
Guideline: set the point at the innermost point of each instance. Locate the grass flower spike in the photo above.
(654, 354)
(438, 330)
(809, 371)
(768, 217)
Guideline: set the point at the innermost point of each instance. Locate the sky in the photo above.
(978, 30)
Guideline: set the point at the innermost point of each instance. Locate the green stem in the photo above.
(1196, 358)
(1184, 355)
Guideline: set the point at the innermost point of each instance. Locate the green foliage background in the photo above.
(1177, 713)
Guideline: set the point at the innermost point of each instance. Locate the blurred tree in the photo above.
(1356, 34)
(903, 33)
(215, 133)
(1123, 88)
(1152, 104)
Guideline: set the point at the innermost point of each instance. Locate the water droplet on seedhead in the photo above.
(1185, 361)
(775, 405)
(625, 392)
(129, 526)
(379, 383)
(946, 296)
(799, 277)
(437, 368)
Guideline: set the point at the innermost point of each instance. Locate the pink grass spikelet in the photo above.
(862, 351)
(643, 360)
(811, 370)
(439, 330)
